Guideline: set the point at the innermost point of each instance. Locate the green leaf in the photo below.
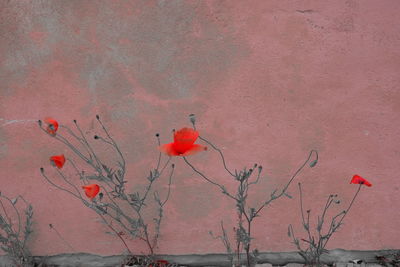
(289, 196)
(94, 177)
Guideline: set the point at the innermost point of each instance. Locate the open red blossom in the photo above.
(359, 180)
(58, 161)
(91, 190)
(183, 144)
(52, 125)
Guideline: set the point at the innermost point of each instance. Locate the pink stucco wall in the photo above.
(268, 81)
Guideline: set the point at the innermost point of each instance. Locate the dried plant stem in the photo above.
(12, 238)
(246, 215)
(116, 233)
(344, 215)
(61, 237)
(316, 246)
(113, 195)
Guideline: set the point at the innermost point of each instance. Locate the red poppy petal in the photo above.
(91, 190)
(367, 183)
(194, 149)
(186, 135)
(58, 164)
(181, 148)
(168, 149)
(59, 161)
(95, 190)
(52, 125)
(359, 180)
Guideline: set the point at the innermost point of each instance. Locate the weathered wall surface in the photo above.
(268, 81)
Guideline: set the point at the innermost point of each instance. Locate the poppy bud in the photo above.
(192, 118)
(313, 163)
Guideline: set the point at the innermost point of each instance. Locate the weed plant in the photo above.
(315, 241)
(245, 178)
(15, 229)
(105, 185)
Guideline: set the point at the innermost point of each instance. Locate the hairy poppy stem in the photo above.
(345, 213)
(220, 153)
(60, 236)
(119, 236)
(208, 180)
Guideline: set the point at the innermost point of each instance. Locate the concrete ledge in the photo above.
(339, 256)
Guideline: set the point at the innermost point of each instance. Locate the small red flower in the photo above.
(52, 125)
(359, 180)
(58, 161)
(183, 144)
(91, 190)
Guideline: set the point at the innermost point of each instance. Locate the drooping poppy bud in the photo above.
(359, 180)
(183, 144)
(52, 125)
(57, 161)
(91, 190)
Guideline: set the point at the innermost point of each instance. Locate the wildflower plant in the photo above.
(315, 242)
(102, 187)
(184, 144)
(15, 229)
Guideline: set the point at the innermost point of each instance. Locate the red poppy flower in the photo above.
(52, 125)
(91, 190)
(57, 161)
(359, 180)
(183, 144)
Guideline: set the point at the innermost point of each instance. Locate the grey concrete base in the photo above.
(339, 257)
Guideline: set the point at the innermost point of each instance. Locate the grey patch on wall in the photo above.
(20, 52)
(107, 85)
(3, 144)
(163, 52)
